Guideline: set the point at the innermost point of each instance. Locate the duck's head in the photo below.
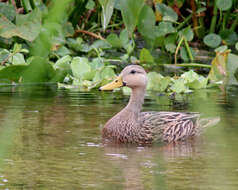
(132, 76)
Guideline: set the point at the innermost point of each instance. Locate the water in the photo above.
(51, 139)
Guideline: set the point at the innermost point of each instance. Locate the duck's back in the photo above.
(170, 126)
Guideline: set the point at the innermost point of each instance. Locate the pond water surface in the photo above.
(51, 139)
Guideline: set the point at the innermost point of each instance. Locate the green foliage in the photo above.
(212, 40)
(224, 5)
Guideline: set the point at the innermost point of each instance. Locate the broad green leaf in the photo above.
(8, 11)
(212, 40)
(114, 40)
(187, 33)
(90, 5)
(237, 46)
(130, 13)
(179, 86)
(170, 43)
(157, 82)
(12, 72)
(39, 70)
(107, 73)
(107, 10)
(80, 67)
(165, 28)
(124, 37)
(63, 63)
(17, 59)
(224, 4)
(194, 81)
(167, 12)
(184, 54)
(4, 54)
(146, 22)
(102, 44)
(27, 26)
(229, 37)
(221, 49)
(145, 56)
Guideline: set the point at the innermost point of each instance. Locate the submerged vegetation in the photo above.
(81, 43)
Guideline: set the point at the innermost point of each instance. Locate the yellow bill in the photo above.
(117, 83)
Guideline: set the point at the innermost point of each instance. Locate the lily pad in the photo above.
(157, 82)
(212, 40)
(80, 67)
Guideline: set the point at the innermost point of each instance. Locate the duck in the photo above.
(131, 126)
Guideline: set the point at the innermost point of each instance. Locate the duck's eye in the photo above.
(116, 80)
(133, 71)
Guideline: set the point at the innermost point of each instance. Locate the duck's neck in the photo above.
(136, 100)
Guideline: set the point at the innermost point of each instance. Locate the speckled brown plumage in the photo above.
(132, 126)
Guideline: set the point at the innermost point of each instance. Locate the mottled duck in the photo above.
(132, 126)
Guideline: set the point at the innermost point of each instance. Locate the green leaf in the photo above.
(90, 5)
(229, 36)
(80, 67)
(145, 56)
(224, 5)
(8, 11)
(4, 54)
(17, 59)
(107, 10)
(178, 86)
(146, 22)
(124, 38)
(165, 28)
(232, 69)
(187, 33)
(170, 43)
(237, 46)
(130, 13)
(38, 71)
(184, 54)
(63, 63)
(12, 72)
(157, 82)
(167, 12)
(194, 81)
(221, 49)
(27, 26)
(212, 40)
(114, 40)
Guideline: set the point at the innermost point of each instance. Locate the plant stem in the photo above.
(195, 21)
(89, 33)
(226, 15)
(188, 50)
(214, 18)
(177, 49)
(192, 65)
(234, 24)
(186, 20)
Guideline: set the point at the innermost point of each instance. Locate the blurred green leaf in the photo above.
(167, 12)
(165, 28)
(212, 40)
(232, 69)
(38, 71)
(17, 59)
(237, 46)
(90, 5)
(146, 22)
(221, 49)
(145, 56)
(27, 26)
(63, 63)
(12, 72)
(80, 67)
(157, 82)
(184, 54)
(187, 33)
(170, 43)
(130, 13)
(4, 54)
(229, 36)
(8, 11)
(179, 86)
(107, 10)
(114, 40)
(224, 4)
(194, 81)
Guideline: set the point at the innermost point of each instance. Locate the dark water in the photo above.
(50, 139)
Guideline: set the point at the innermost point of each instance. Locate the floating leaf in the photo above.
(17, 59)
(63, 63)
(12, 72)
(4, 54)
(167, 12)
(224, 4)
(157, 82)
(130, 13)
(107, 10)
(212, 40)
(179, 86)
(80, 67)
(194, 81)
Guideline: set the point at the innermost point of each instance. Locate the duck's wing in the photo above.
(170, 126)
